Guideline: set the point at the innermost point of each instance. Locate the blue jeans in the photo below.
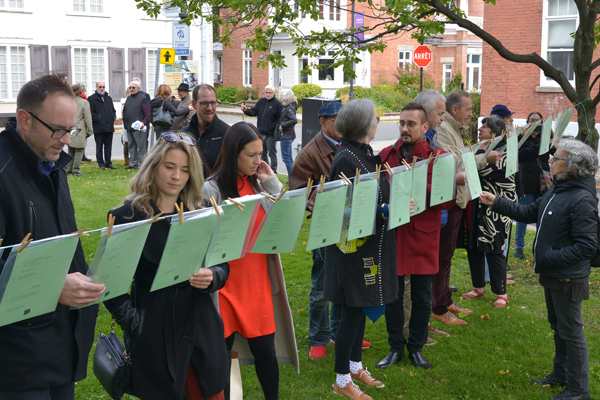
(521, 226)
(320, 329)
(286, 154)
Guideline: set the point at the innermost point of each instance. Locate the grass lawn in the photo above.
(494, 357)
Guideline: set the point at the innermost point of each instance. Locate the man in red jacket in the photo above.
(414, 259)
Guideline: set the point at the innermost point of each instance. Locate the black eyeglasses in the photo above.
(173, 137)
(132, 87)
(58, 133)
(205, 104)
(100, 87)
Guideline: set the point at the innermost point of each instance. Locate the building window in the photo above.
(247, 67)
(88, 6)
(321, 9)
(151, 73)
(13, 71)
(447, 71)
(334, 10)
(474, 72)
(12, 3)
(302, 65)
(404, 59)
(326, 70)
(561, 20)
(89, 67)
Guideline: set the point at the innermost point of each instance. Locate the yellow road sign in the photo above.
(167, 56)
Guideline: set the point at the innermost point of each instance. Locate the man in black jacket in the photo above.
(103, 121)
(267, 112)
(43, 357)
(206, 127)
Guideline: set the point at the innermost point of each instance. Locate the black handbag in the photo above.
(160, 117)
(112, 365)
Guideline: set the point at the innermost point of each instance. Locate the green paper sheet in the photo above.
(546, 132)
(528, 133)
(117, 257)
(399, 207)
(490, 148)
(363, 209)
(442, 181)
(512, 155)
(34, 278)
(327, 218)
(472, 174)
(280, 229)
(564, 122)
(418, 191)
(230, 241)
(185, 249)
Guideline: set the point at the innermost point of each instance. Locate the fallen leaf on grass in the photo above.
(304, 243)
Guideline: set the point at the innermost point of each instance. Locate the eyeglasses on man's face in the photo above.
(58, 133)
(205, 104)
(409, 124)
(133, 87)
(100, 87)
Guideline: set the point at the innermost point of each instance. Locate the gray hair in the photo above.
(456, 99)
(135, 82)
(355, 119)
(581, 160)
(269, 87)
(428, 99)
(287, 97)
(495, 123)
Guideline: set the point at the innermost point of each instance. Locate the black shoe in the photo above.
(453, 289)
(130, 167)
(568, 395)
(550, 381)
(519, 253)
(391, 359)
(85, 159)
(419, 361)
(111, 166)
(76, 173)
(102, 167)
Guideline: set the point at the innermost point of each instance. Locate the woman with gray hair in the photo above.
(287, 122)
(366, 279)
(567, 238)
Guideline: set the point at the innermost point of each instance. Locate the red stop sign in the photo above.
(422, 56)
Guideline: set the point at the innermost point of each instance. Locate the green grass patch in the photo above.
(494, 357)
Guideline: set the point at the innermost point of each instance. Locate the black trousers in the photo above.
(265, 364)
(349, 338)
(420, 295)
(103, 145)
(497, 266)
(571, 359)
(270, 147)
(64, 392)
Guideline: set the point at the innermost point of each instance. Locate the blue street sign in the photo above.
(181, 35)
(182, 52)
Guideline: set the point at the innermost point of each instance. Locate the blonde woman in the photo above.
(175, 335)
(84, 121)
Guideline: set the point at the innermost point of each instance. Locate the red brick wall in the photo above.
(514, 84)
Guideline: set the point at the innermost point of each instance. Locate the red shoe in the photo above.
(317, 352)
(501, 301)
(473, 294)
(365, 344)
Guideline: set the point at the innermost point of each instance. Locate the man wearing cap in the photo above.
(267, 112)
(313, 161)
(185, 100)
(503, 112)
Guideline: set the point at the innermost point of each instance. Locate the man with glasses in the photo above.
(414, 259)
(206, 127)
(267, 112)
(136, 116)
(184, 101)
(103, 121)
(44, 356)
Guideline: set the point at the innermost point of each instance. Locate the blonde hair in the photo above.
(143, 189)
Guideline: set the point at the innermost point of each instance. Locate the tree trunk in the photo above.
(586, 118)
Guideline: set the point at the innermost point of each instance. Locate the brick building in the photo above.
(527, 26)
(460, 51)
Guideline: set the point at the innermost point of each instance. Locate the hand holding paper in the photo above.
(202, 279)
(79, 291)
(494, 157)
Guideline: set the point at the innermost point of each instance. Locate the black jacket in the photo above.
(103, 113)
(209, 144)
(52, 349)
(167, 106)
(181, 324)
(267, 113)
(567, 227)
(288, 121)
(528, 166)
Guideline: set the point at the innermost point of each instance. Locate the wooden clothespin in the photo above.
(214, 204)
(470, 146)
(155, 218)
(387, 166)
(24, 243)
(344, 177)
(281, 194)
(437, 156)
(180, 212)
(357, 176)
(322, 184)
(268, 196)
(405, 163)
(429, 158)
(81, 232)
(111, 222)
(237, 203)
(309, 186)
(1, 240)
(414, 162)
(378, 170)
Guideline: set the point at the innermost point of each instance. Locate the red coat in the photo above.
(419, 240)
